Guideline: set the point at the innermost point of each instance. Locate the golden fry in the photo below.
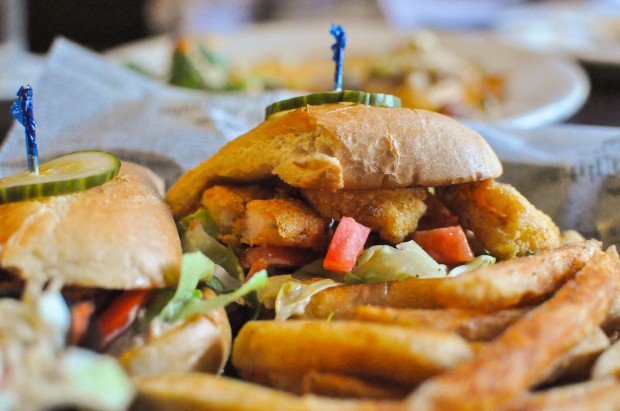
(612, 321)
(577, 363)
(608, 363)
(403, 355)
(523, 355)
(330, 384)
(518, 281)
(340, 302)
(346, 386)
(501, 218)
(589, 396)
(471, 325)
(204, 392)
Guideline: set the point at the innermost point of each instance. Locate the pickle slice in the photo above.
(63, 175)
(344, 96)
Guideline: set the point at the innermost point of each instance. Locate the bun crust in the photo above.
(119, 235)
(336, 146)
(202, 344)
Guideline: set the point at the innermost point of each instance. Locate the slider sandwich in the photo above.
(101, 233)
(329, 176)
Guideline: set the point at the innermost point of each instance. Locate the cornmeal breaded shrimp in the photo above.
(501, 218)
(227, 203)
(282, 222)
(394, 213)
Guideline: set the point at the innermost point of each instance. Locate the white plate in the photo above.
(540, 89)
(589, 31)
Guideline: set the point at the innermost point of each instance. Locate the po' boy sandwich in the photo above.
(114, 251)
(326, 181)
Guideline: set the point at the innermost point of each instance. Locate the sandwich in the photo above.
(114, 252)
(358, 187)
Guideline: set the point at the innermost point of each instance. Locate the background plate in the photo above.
(588, 31)
(540, 89)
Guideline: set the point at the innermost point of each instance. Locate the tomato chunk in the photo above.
(346, 245)
(120, 314)
(447, 245)
(80, 319)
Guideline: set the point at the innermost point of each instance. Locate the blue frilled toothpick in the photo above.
(338, 49)
(22, 110)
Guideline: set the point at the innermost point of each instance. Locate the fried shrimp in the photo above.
(282, 222)
(394, 213)
(501, 218)
(226, 204)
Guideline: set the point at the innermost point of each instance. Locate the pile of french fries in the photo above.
(534, 333)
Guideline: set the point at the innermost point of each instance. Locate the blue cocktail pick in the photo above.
(22, 111)
(338, 49)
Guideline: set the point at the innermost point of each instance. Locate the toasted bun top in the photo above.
(117, 235)
(336, 146)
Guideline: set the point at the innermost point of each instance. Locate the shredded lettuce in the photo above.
(195, 267)
(477, 262)
(294, 296)
(267, 295)
(290, 296)
(204, 218)
(40, 371)
(386, 263)
(202, 237)
(53, 311)
(315, 269)
(88, 372)
(187, 300)
(196, 306)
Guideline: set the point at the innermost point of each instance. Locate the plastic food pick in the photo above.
(22, 110)
(338, 49)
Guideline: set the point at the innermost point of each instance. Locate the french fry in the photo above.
(330, 384)
(608, 363)
(202, 392)
(518, 281)
(577, 363)
(346, 386)
(612, 320)
(471, 325)
(523, 355)
(392, 353)
(340, 302)
(599, 395)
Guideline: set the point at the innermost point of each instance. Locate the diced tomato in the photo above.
(447, 245)
(257, 266)
(120, 314)
(80, 319)
(346, 245)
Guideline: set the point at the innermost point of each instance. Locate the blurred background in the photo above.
(100, 24)
(29, 27)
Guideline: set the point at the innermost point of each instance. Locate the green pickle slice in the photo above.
(63, 175)
(344, 96)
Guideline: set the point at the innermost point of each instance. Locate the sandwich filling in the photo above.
(277, 226)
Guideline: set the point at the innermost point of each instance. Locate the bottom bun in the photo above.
(200, 344)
